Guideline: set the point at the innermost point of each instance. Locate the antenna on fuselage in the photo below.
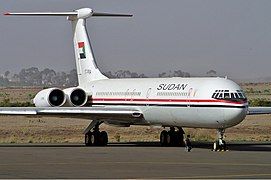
(87, 69)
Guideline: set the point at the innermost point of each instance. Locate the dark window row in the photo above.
(237, 95)
(118, 93)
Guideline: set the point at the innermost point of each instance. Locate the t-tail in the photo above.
(86, 65)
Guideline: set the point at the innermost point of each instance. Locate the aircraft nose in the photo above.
(234, 116)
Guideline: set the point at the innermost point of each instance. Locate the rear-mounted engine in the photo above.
(51, 97)
(75, 97)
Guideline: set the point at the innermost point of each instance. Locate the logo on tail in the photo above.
(82, 51)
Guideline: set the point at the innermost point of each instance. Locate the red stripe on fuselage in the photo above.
(168, 100)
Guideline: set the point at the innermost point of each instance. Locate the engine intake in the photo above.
(75, 97)
(51, 97)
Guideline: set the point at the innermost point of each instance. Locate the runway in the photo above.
(134, 160)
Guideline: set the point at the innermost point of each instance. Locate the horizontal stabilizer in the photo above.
(77, 14)
(101, 14)
(42, 14)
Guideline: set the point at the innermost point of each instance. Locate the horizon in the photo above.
(266, 79)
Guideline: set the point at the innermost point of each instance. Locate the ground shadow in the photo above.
(42, 145)
(238, 146)
(232, 146)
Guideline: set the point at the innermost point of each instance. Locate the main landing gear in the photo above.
(95, 137)
(172, 137)
(220, 145)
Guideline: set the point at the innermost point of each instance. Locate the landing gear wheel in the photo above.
(93, 136)
(179, 138)
(88, 141)
(216, 146)
(96, 138)
(172, 137)
(103, 138)
(164, 138)
(220, 145)
(223, 147)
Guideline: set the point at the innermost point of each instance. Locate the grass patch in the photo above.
(259, 102)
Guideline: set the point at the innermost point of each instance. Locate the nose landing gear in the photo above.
(220, 144)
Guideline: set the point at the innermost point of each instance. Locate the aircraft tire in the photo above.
(88, 139)
(96, 138)
(103, 138)
(92, 139)
(216, 146)
(224, 146)
(179, 139)
(172, 138)
(164, 138)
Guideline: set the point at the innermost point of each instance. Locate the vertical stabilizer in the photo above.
(87, 69)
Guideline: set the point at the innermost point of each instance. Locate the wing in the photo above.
(258, 110)
(91, 113)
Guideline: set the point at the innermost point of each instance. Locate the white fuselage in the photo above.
(179, 102)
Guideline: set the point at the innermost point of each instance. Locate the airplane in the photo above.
(209, 102)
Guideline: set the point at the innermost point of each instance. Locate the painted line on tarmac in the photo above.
(220, 176)
(141, 162)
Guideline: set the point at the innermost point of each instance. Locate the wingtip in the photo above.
(6, 13)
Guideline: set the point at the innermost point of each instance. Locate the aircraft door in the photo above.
(132, 95)
(147, 96)
(126, 97)
(189, 96)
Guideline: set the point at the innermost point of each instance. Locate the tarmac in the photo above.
(134, 161)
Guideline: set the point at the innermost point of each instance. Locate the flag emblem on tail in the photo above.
(82, 51)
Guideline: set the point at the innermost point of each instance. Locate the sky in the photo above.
(232, 37)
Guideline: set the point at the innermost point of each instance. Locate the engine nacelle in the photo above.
(50, 97)
(75, 96)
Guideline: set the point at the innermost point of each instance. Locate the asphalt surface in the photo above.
(134, 160)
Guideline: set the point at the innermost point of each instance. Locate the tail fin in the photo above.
(86, 65)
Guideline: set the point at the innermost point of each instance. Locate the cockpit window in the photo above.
(227, 95)
(234, 96)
